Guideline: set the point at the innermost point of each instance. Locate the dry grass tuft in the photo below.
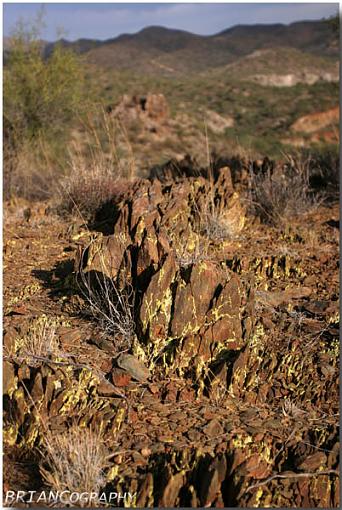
(217, 227)
(40, 342)
(28, 172)
(96, 165)
(279, 197)
(88, 186)
(74, 461)
(189, 247)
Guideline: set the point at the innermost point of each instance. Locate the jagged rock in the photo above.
(189, 307)
(313, 462)
(44, 393)
(171, 491)
(193, 299)
(152, 110)
(105, 255)
(156, 307)
(212, 481)
(8, 377)
(156, 107)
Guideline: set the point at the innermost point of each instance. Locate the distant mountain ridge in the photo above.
(164, 50)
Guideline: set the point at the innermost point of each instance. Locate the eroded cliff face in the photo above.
(292, 79)
(317, 121)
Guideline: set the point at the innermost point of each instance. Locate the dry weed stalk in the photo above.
(289, 409)
(189, 249)
(111, 301)
(28, 171)
(212, 222)
(74, 461)
(104, 139)
(215, 226)
(218, 390)
(293, 476)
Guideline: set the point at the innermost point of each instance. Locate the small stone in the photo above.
(214, 428)
(133, 366)
(153, 388)
(193, 435)
(106, 389)
(69, 337)
(120, 377)
(146, 452)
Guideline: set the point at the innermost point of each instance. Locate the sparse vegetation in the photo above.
(96, 165)
(190, 248)
(40, 342)
(110, 298)
(44, 121)
(42, 96)
(167, 327)
(74, 461)
(284, 195)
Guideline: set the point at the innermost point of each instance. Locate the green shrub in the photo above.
(41, 96)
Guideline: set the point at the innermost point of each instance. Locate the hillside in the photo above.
(283, 66)
(168, 51)
(248, 85)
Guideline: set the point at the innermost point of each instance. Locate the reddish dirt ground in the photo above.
(260, 432)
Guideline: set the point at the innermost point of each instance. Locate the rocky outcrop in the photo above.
(228, 395)
(152, 110)
(190, 308)
(42, 393)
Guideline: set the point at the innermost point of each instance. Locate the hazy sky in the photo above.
(106, 20)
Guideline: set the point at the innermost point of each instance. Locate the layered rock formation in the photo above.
(190, 307)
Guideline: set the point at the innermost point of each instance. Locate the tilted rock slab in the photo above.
(187, 313)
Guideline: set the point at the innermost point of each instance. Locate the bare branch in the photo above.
(292, 475)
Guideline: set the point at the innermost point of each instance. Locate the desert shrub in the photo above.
(40, 97)
(215, 227)
(324, 168)
(31, 169)
(110, 300)
(40, 94)
(96, 167)
(74, 461)
(278, 197)
(87, 187)
(38, 343)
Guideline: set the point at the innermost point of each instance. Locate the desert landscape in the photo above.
(171, 268)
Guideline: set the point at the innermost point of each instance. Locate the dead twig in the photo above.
(292, 475)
